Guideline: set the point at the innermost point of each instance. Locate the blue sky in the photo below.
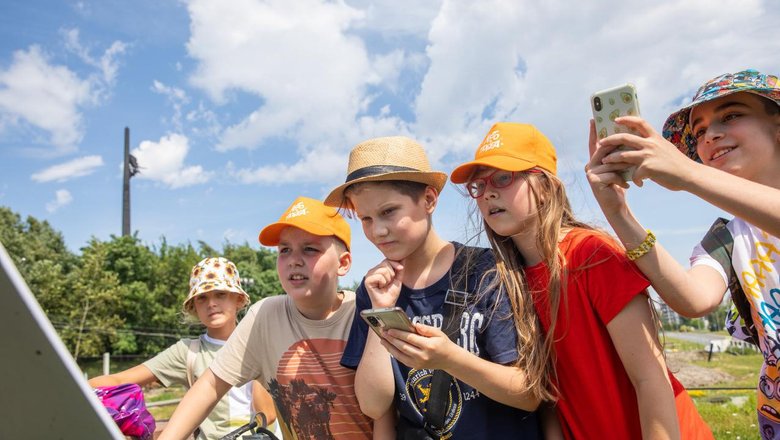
(237, 107)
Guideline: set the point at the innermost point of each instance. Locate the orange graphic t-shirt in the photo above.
(297, 360)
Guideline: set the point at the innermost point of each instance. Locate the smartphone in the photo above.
(387, 318)
(609, 104)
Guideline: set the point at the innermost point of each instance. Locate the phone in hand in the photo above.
(609, 104)
(387, 318)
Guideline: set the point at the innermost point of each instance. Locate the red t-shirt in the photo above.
(597, 398)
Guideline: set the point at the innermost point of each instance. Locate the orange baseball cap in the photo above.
(510, 146)
(313, 217)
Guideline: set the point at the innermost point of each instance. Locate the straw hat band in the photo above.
(387, 158)
(374, 170)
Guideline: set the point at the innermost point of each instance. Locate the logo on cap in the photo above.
(492, 141)
(297, 210)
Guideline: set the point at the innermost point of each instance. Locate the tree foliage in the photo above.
(120, 295)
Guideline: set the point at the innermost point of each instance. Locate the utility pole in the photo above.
(126, 186)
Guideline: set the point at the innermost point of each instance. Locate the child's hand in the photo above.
(655, 158)
(383, 283)
(605, 180)
(428, 348)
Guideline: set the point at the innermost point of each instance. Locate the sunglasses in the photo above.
(497, 179)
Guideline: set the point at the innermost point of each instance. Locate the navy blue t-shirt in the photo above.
(486, 330)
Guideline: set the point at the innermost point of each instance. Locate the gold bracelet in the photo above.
(643, 248)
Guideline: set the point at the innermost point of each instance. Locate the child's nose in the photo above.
(714, 132)
(379, 229)
(296, 259)
(490, 192)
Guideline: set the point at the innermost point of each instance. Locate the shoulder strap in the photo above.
(192, 353)
(719, 243)
(454, 303)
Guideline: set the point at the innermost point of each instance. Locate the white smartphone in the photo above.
(609, 104)
(387, 318)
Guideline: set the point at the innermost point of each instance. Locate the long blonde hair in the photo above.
(554, 216)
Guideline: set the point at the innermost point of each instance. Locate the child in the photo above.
(292, 343)
(610, 374)
(390, 187)
(215, 298)
(731, 130)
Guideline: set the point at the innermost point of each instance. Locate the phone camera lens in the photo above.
(373, 321)
(597, 103)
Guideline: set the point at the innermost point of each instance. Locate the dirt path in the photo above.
(693, 376)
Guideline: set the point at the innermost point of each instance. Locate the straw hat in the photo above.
(387, 158)
(311, 216)
(216, 273)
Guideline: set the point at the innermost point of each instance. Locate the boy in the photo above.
(292, 343)
(731, 130)
(391, 188)
(214, 300)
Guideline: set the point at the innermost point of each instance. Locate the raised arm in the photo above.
(659, 160)
(374, 384)
(140, 375)
(694, 292)
(195, 406)
(635, 338)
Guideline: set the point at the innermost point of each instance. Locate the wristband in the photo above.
(643, 247)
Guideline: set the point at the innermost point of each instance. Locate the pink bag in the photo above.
(125, 404)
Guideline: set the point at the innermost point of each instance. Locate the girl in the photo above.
(215, 298)
(609, 371)
(393, 191)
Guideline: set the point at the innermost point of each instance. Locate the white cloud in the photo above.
(107, 63)
(177, 98)
(298, 58)
(163, 162)
(328, 75)
(322, 165)
(539, 62)
(82, 166)
(35, 92)
(62, 198)
(43, 95)
(398, 17)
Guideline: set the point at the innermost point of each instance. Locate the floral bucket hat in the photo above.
(215, 273)
(677, 128)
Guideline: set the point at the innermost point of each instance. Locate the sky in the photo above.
(237, 107)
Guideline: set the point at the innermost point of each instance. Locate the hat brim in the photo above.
(462, 173)
(269, 235)
(434, 179)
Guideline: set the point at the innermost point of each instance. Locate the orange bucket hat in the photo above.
(510, 146)
(313, 217)
(215, 273)
(387, 158)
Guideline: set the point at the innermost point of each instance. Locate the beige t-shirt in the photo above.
(170, 367)
(297, 361)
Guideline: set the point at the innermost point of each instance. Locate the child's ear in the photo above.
(431, 197)
(345, 263)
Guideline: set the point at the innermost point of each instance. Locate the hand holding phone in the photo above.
(387, 318)
(609, 104)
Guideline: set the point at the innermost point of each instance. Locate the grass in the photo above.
(731, 414)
